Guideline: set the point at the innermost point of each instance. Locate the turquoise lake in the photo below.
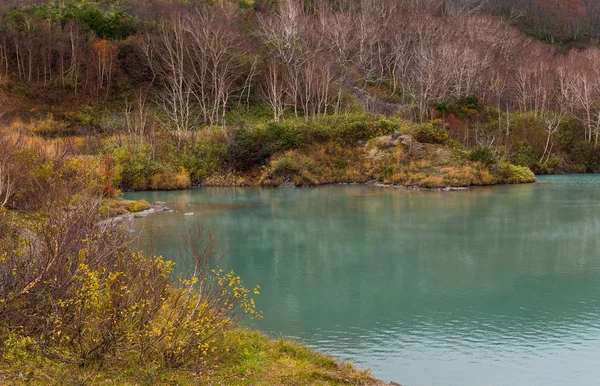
(488, 286)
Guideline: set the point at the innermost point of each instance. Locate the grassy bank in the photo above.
(245, 357)
(392, 152)
(351, 148)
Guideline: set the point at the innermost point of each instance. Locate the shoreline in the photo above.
(368, 183)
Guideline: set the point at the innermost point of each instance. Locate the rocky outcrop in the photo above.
(378, 148)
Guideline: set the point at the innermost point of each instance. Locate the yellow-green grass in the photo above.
(246, 357)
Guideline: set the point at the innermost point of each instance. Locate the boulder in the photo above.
(406, 140)
(288, 184)
(385, 142)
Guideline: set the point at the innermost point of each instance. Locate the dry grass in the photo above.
(424, 165)
(467, 176)
(170, 181)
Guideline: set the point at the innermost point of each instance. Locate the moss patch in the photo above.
(114, 207)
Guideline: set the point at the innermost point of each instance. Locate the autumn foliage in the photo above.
(180, 92)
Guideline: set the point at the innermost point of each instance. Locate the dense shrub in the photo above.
(553, 164)
(37, 175)
(170, 181)
(135, 167)
(482, 154)
(360, 128)
(525, 156)
(255, 145)
(285, 166)
(513, 174)
(106, 24)
(82, 296)
(588, 155)
(208, 155)
(428, 133)
(463, 108)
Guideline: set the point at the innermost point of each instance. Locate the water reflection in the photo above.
(491, 285)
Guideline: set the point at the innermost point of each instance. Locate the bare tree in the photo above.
(167, 56)
(7, 178)
(216, 50)
(554, 111)
(584, 91)
(273, 89)
(282, 32)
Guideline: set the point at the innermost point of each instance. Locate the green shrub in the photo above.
(285, 166)
(386, 172)
(106, 24)
(135, 166)
(241, 115)
(483, 155)
(208, 155)
(428, 133)
(513, 174)
(588, 155)
(553, 164)
(359, 128)
(526, 156)
(254, 146)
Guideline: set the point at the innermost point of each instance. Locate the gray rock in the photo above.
(396, 135)
(188, 214)
(406, 140)
(384, 142)
(288, 184)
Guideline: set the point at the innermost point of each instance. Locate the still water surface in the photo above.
(490, 286)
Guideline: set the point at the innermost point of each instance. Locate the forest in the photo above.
(164, 94)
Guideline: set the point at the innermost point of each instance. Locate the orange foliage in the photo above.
(105, 50)
(566, 14)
